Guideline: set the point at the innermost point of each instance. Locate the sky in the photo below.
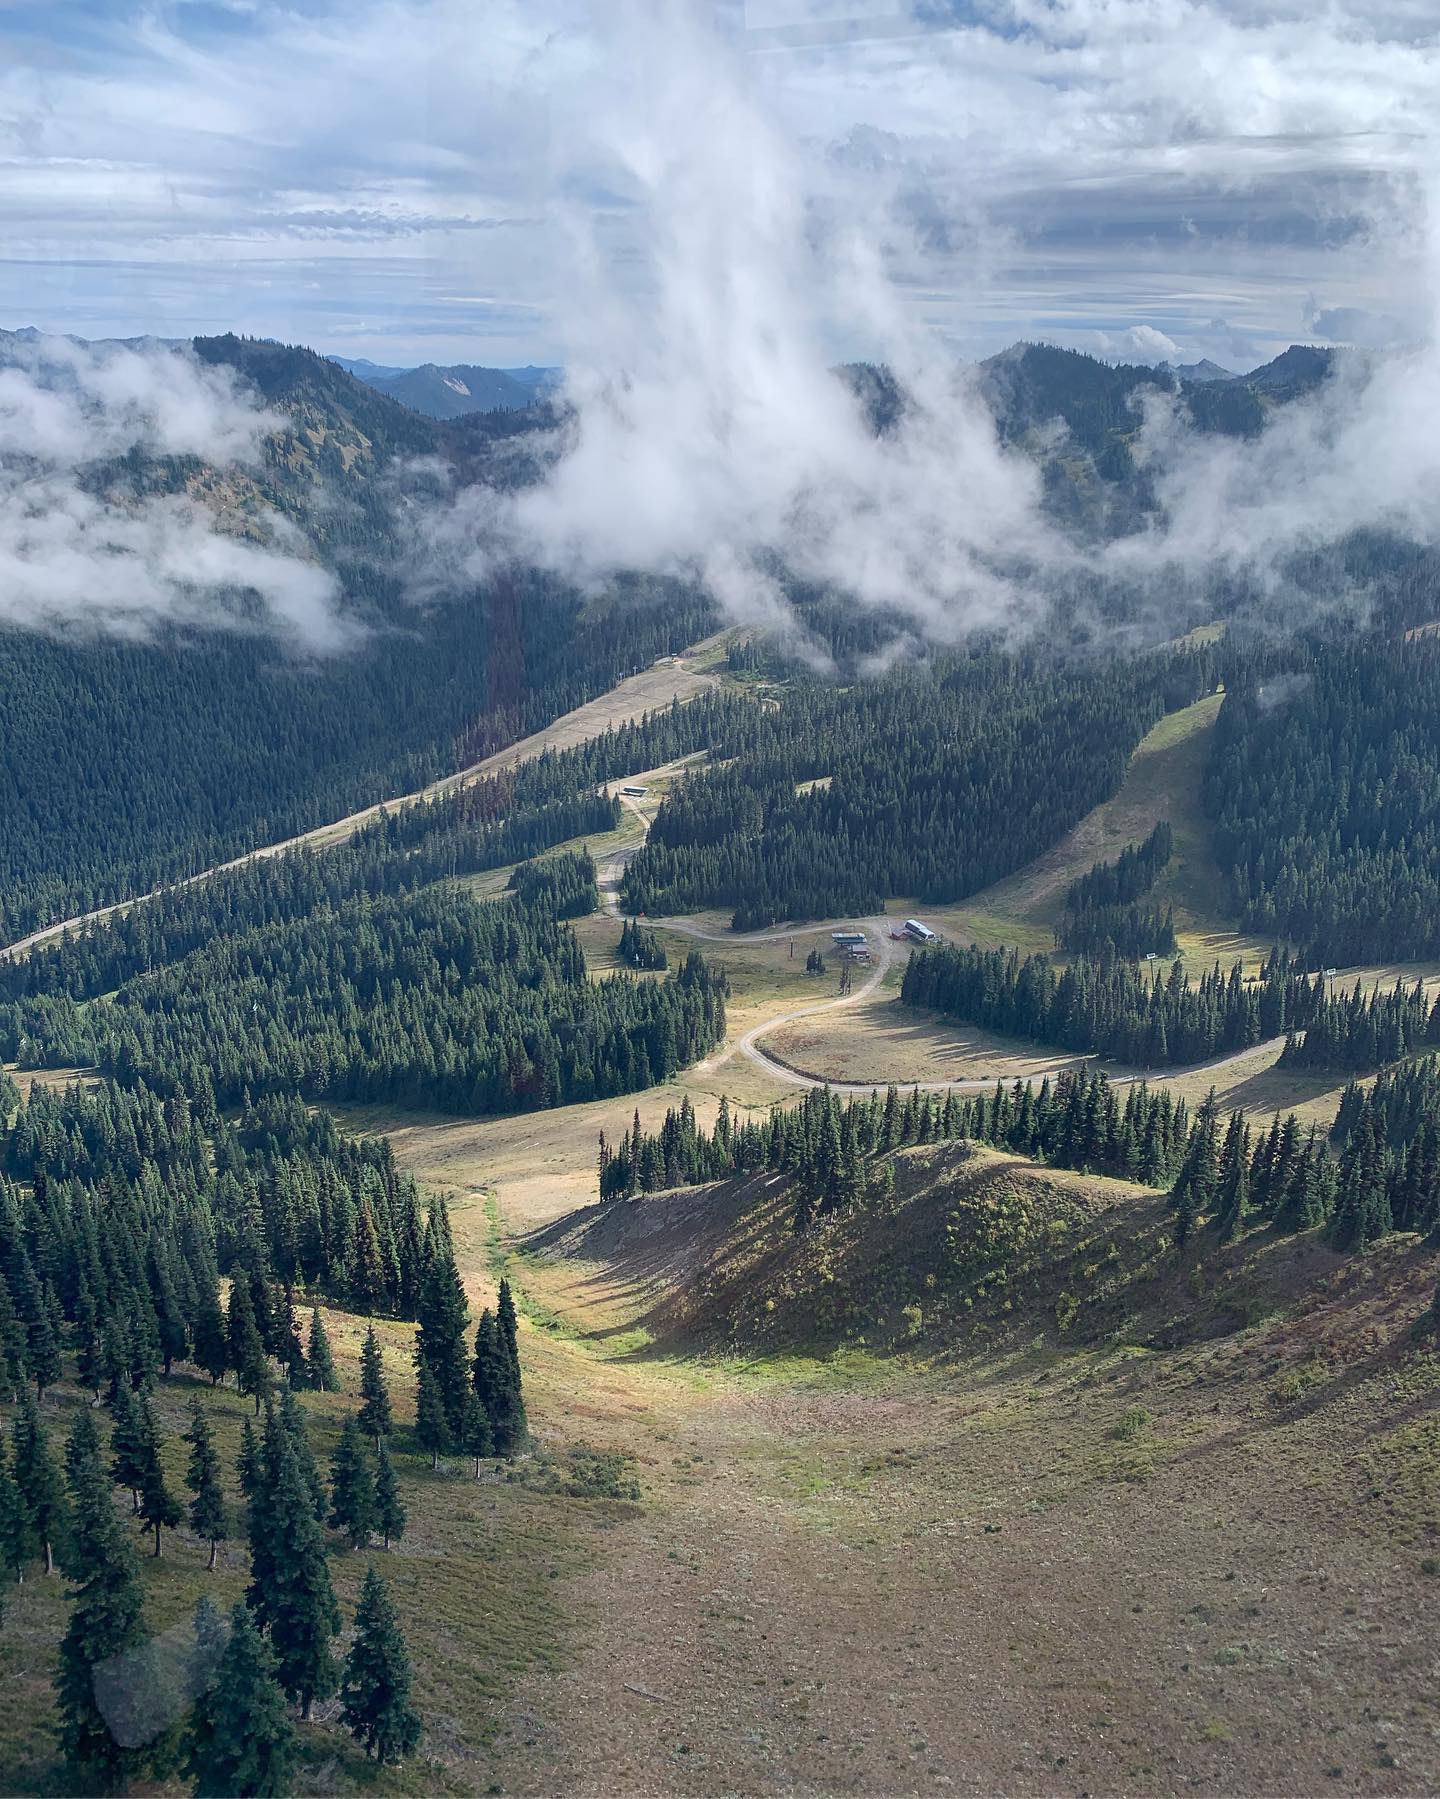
(495, 182)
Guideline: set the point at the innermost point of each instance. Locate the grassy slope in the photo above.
(474, 1581)
(1185, 1540)
(1163, 781)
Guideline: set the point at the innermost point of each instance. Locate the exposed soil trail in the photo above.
(651, 689)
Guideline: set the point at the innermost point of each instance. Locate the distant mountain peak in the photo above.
(452, 391)
(1301, 366)
(1204, 370)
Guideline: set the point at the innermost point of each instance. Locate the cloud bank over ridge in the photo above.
(80, 551)
(710, 439)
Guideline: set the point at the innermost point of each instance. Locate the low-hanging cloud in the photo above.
(81, 550)
(734, 263)
(708, 434)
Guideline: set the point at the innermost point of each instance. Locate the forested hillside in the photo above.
(357, 972)
(1325, 789)
(939, 781)
(124, 765)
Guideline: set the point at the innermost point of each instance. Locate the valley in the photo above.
(985, 1476)
(719, 900)
(994, 1554)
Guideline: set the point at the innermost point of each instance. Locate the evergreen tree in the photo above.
(290, 1590)
(375, 1418)
(248, 1464)
(319, 1362)
(389, 1508)
(1194, 1190)
(1233, 1183)
(288, 1345)
(352, 1487)
(169, 1319)
(293, 1420)
(241, 1739)
(209, 1514)
(508, 1325)
(88, 1342)
(14, 1362)
(107, 1621)
(375, 1693)
(1233, 1201)
(159, 1507)
(38, 1479)
(432, 1426)
(46, 1362)
(246, 1346)
(18, 1542)
(477, 1439)
(127, 1444)
(440, 1339)
(495, 1373)
(82, 1447)
(212, 1342)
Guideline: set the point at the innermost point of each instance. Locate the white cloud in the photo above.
(79, 551)
(1137, 343)
(710, 439)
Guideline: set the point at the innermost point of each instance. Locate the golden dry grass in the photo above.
(475, 1580)
(881, 1041)
(877, 1575)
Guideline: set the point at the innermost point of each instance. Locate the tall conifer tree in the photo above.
(18, 1543)
(290, 1588)
(432, 1426)
(158, 1505)
(38, 1479)
(209, 1513)
(352, 1487)
(319, 1362)
(375, 1418)
(106, 1621)
(375, 1693)
(389, 1509)
(241, 1740)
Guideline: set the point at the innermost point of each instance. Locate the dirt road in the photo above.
(629, 699)
(882, 949)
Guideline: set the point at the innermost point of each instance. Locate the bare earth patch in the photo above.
(865, 1576)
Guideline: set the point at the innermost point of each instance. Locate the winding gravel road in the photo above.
(882, 949)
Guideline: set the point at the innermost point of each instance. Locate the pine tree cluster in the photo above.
(1357, 1031)
(639, 947)
(560, 886)
(133, 1212)
(828, 1148)
(1102, 910)
(1109, 1007)
(281, 1641)
(466, 1399)
(940, 781)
